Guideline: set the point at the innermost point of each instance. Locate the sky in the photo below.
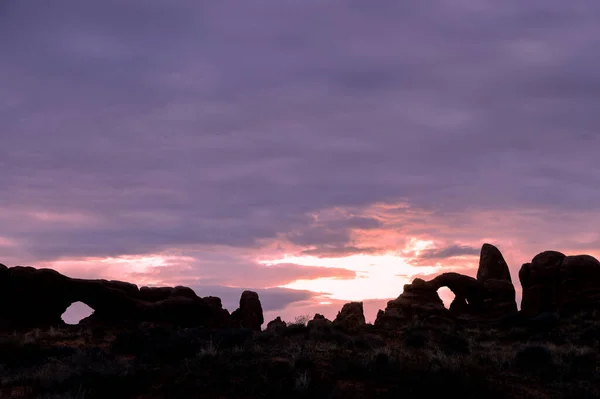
(316, 151)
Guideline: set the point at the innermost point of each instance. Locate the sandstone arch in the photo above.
(37, 298)
(467, 290)
(490, 296)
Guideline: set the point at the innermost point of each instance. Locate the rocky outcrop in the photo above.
(554, 282)
(418, 301)
(351, 318)
(540, 281)
(250, 313)
(155, 294)
(498, 291)
(489, 297)
(580, 284)
(465, 288)
(222, 316)
(492, 265)
(319, 322)
(276, 325)
(37, 298)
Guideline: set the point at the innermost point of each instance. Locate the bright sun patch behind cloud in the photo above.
(378, 276)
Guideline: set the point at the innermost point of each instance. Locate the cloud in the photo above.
(450, 252)
(193, 269)
(337, 252)
(200, 127)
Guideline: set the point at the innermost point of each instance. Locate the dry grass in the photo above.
(417, 361)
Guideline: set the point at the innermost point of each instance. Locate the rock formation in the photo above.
(351, 318)
(250, 313)
(37, 298)
(466, 289)
(222, 316)
(489, 297)
(319, 322)
(418, 301)
(155, 294)
(540, 280)
(554, 282)
(498, 290)
(276, 325)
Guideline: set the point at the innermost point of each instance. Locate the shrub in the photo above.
(534, 358)
(454, 344)
(545, 321)
(294, 330)
(414, 338)
(366, 341)
(303, 319)
(518, 334)
(590, 335)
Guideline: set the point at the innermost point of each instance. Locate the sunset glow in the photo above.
(378, 276)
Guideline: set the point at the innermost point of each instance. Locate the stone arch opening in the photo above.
(446, 295)
(466, 292)
(76, 312)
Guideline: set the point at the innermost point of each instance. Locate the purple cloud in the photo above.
(142, 126)
(450, 252)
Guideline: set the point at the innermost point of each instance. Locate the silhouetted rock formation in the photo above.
(223, 318)
(37, 298)
(466, 289)
(498, 290)
(276, 325)
(250, 313)
(492, 265)
(156, 294)
(540, 280)
(418, 300)
(554, 282)
(319, 322)
(351, 318)
(489, 297)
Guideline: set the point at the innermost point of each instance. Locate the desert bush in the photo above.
(415, 338)
(230, 337)
(365, 342)
(295, 330)
(584, 363)
(279, 372)
(454, 343)
(15, 352)
(589, 336)
(155, 344)
(302, 382)
(266, 336)
(128, 342)
(545, 321)
(517, 334)
(534, 358)
(303, 319)
(304, 362)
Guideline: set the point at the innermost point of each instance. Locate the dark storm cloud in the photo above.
(325, 251)
(449, 252)
(208, 123)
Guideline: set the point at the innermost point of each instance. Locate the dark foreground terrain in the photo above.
(544, 358)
